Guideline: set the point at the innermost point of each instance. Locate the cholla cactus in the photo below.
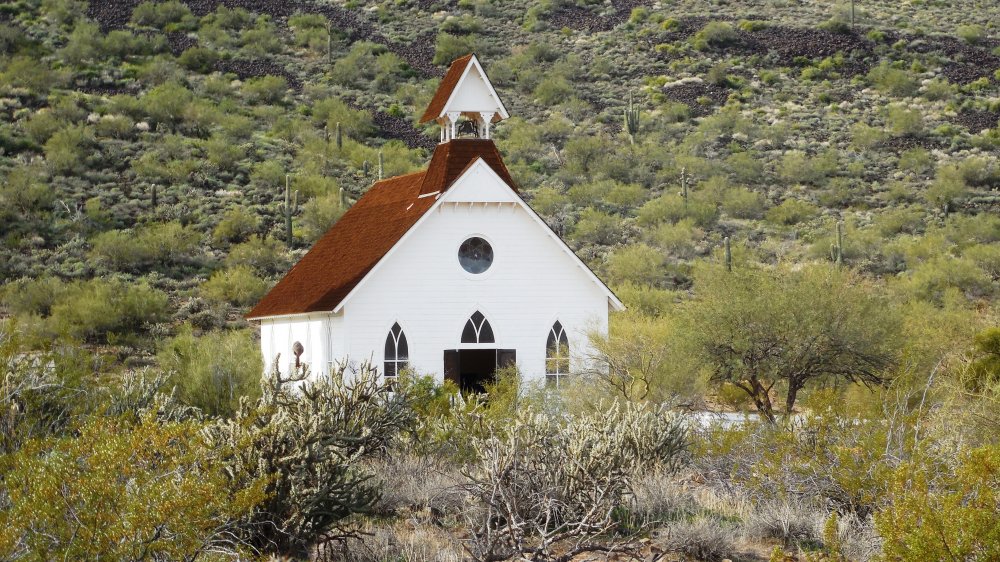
(548, 483)
(309, 439)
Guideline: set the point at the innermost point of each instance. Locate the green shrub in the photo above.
(978, 171)
(932, 279)
(166, 103)
(596, 227)
(893, 80)
(354, 123)
(265, 89)
(236, 225)
(752, 25)
(678, 239)
(102, 311)
(798, 167)
(223, 152)
(198, 59)
(449, 47)
(26, 72)
(939, 89)
(972, 34)
(268, 176)
(916, 160)
(987, 257)
(26, 190)
(905, 220)
(904, 122)
(359, 64)
(214, 370)
(638, 264)
(266, 256)
(66, 150)
(118, 490)
(745, 167)
(950, 514)
(309, 30)
(42, 125)
(948, 187)
(238, 286)
(865, 136)
(714, 34)
(791, 212)
(672, 208)
(33, 296)
(122, 44)
(553, 90)
(156, 245)
(319, 214)
(170, 16)
(741, 203)
(261, 40)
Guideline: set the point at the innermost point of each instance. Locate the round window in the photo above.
(475, 255)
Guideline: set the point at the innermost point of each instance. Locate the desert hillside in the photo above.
(798, 201)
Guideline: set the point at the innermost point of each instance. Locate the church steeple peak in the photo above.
(465, 103)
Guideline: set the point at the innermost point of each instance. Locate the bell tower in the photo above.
(465, 104)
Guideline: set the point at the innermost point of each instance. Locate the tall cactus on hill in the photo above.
(631, 115)
(684, 184)
(837, 249)
(729, 255)
(289, 208)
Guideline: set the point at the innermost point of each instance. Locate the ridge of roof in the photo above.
(445, 88)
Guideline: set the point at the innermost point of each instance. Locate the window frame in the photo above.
(397, 337)
(557, 356)
(493, 264)
(478, 331)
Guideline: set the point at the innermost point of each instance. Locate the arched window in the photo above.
(477, 330)
(397, 353)
(556, 354)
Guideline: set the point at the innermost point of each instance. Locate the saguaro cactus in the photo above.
(340, 137)
(684, 184)
(837, 249)
(289, 208)
(381, 164)
(729, 254)
(631, 114)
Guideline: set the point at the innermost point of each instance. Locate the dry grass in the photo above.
(419, 484)
(786, 521)
(703, 538)
(406, 541)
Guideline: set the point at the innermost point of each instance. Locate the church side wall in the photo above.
(531, 284)
(314, 332)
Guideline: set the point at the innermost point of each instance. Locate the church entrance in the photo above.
(472, 369)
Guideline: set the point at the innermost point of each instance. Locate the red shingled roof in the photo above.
(445, 88)
(369, 229)
(450, 159)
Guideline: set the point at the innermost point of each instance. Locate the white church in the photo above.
(446, 272)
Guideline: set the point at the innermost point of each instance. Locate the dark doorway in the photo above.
(473, 369)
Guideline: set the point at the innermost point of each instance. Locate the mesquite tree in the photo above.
(766, 330)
